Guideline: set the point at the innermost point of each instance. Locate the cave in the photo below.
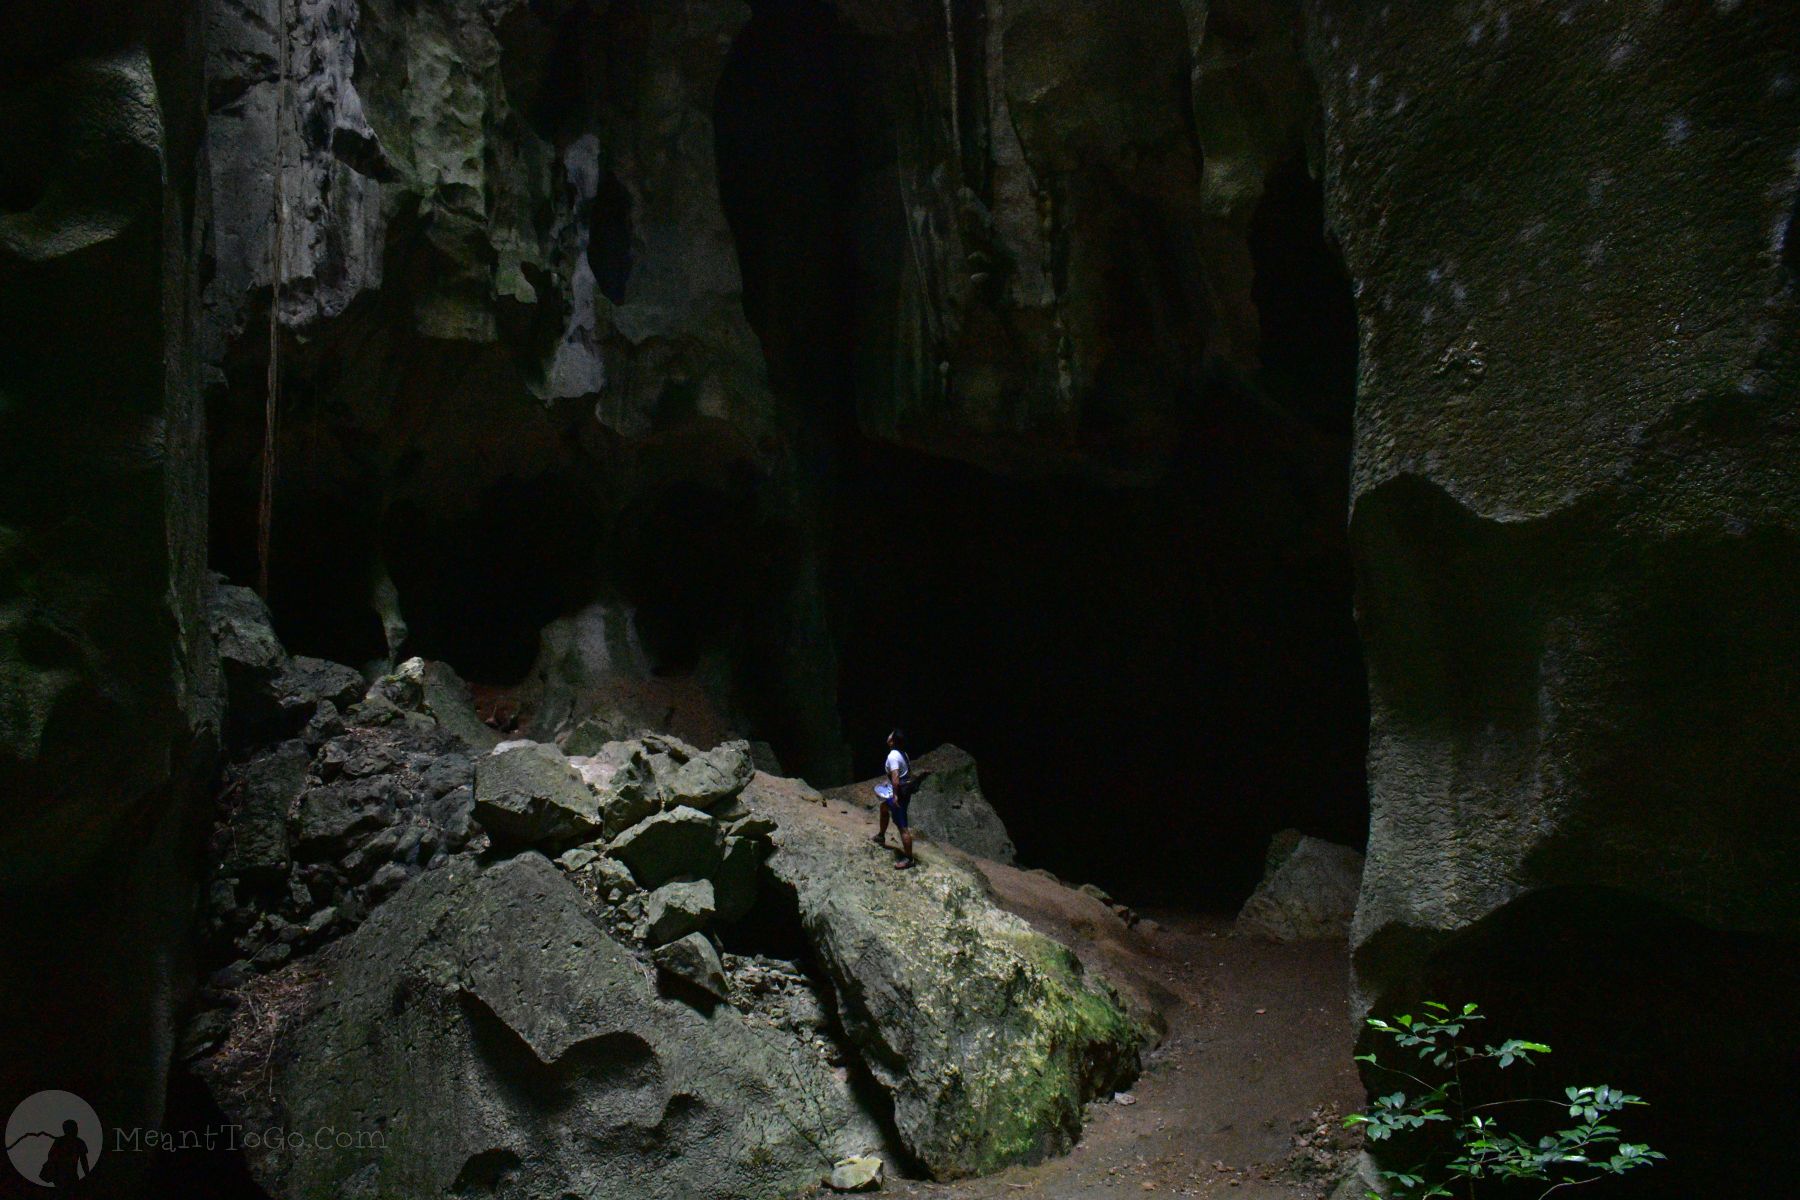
(1207, 416)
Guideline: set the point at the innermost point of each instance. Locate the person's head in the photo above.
(896, 740)
(70, 1127)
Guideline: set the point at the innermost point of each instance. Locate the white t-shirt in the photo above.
(896, 761)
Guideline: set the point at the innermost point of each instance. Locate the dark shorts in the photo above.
(898, 807)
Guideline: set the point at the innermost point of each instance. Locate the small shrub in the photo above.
(1589, 1148)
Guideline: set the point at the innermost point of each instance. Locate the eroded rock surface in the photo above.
(108, 685)
(987, 1034)
(1308, 891)
(554, 1065)
(1577, 519)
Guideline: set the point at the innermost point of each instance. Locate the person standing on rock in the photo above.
(894, 793)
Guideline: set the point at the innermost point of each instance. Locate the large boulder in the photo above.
(949, 806)
(700, 779)
(988, 1036)
(260, 796)
(528, 795)
(1309, 891)
(683, 843)
(735, 880)
(435, 689)
(693, 961)
(553, 1067)
(678, 909)
(620, 774)
(269, 694)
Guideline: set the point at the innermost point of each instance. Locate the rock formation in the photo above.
(1573, 238)
(108, 689)
(377, 889)
(948, 808)
(1308, 890)
(918, 969)
(594, 359)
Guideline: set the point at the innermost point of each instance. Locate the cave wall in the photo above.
(108, 692)
(1573, 235)
(1053, 221)
(511, 342)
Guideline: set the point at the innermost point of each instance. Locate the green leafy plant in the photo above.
(1588, 1149)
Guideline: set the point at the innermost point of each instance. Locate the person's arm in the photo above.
(894, 783)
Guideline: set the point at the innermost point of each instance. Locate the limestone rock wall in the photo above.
(510, 333)
(1573, 235)
(108, 694)
(1055, 220)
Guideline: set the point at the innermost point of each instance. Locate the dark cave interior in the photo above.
(1612, 986)
(1171, 664)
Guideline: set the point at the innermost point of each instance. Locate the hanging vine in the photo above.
(265, 509)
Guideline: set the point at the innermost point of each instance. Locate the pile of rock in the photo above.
(354, 790)
(315, 834)
(388, 875)
(649, 829)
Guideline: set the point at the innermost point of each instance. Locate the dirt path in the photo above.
(1258, 1043)
(1258, 1047)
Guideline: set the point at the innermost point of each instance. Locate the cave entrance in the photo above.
(478, 581)
(693, 554)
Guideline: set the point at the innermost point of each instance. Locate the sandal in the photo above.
(906, 864)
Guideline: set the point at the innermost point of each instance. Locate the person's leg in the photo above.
(906, 850)
(881, 834)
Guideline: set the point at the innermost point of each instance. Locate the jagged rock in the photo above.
(734, 882)
(707, 779)
(858, 1173)
(613, 878)
(693, 961)
(675, 910)
(684, 842)
(303, 682)
(269, 695)
(764, 759)
(949, 806)
(326, 723)
(435, 689)
(447, 772)
(1309, 891)
(255, 833)
(576, 859)
(454, 813)
(529, 795)
(620, 775)
(243, 631)
(404, 686)
(333, 814)
(554, 1067)
(988, 1036)
(753, 827)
